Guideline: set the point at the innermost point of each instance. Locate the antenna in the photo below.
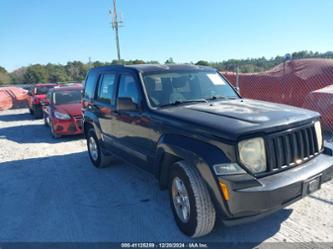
(116, 23)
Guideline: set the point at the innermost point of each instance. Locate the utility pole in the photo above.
(237, 77)
(116, 23)
(89, 62)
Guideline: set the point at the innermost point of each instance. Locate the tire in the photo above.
(96, 155)
(201, 216)
(54, 135)
(37, 112)
(46, 123)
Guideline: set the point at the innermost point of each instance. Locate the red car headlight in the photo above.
(62, 116)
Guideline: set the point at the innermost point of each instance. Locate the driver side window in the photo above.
(128, 88)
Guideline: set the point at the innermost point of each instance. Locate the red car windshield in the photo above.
(42, 90)
(67, 97)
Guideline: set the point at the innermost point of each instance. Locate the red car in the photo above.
(35, 96)
(62, 110)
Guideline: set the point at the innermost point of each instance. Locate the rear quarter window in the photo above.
(89, 86)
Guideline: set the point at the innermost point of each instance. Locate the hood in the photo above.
(40, 96)
(71, 109)
(240, 117)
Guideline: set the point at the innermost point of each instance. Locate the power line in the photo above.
(116, 23)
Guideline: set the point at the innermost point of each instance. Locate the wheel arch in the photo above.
(200, 154)
(172, 148)
(91, 122)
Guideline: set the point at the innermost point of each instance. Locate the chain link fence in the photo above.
(306, 83)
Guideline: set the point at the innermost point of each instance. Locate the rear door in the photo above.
(104, 103)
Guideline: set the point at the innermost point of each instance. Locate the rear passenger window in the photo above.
(90, 86)
(106, 85)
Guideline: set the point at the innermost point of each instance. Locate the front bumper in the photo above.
(260, 197)
(68, 127)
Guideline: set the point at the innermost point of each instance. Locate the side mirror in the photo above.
(126, 104)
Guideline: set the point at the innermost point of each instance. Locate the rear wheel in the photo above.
(37, 111)
(190, 201)
(97, 157)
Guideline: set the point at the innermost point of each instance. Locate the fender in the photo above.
(200, 154)
(92, 120)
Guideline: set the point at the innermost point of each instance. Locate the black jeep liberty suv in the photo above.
(218, 154)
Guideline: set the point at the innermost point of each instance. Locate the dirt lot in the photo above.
(50, 192)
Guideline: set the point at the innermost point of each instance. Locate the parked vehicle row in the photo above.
(219, 155)
(35, 96)
(59, 106)
(62, 111)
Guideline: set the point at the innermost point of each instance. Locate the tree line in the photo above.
(75, 71)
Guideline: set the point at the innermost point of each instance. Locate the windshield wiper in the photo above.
(220, 97)
(179, 102)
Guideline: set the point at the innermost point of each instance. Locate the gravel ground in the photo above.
(50, 192)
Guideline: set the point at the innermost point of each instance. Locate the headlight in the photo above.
(62, 116)
(252, 154)
(228, 169)
(319, 134)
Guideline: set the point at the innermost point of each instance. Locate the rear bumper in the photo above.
(67, 127)
(274, 192)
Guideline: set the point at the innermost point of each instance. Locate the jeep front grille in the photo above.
(291, 148)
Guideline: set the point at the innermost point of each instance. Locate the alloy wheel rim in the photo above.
(180, 199)
(93, 148)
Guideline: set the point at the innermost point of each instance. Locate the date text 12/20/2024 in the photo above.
(164, 245)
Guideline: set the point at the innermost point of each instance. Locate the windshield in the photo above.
(67, 97)
(42, 89)
(179, 87)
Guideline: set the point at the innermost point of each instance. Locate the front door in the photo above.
(131, 128)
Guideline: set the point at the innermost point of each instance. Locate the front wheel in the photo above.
(53, 133)
(97, 157)
(46, 119)
(190, 201)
